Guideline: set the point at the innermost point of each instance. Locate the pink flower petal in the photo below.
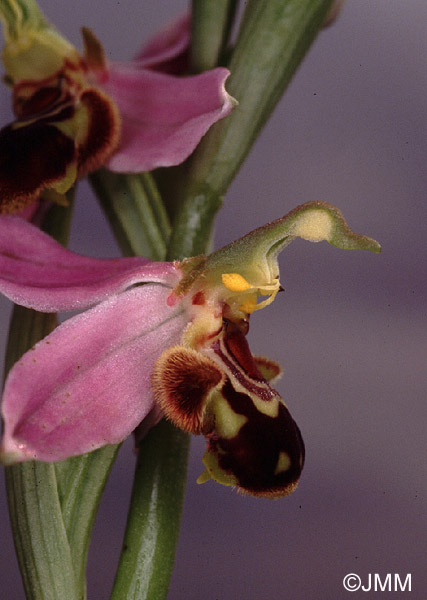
(163, 117)
(167, 50)
(90, 378)
(39, 273)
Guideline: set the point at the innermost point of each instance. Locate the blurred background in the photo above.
(349, 331)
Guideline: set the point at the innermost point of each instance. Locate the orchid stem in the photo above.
(40, 538)
(210, 29)
(80, 482)
(135, 210)
(154, 517)
(193, 226)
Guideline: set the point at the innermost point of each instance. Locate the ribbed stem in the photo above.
(134, 208)
(273, 38)
(210, 28)
(154, 517)
(80, 482)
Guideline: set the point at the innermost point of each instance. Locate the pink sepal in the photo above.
(90, 378)
(163, 117)
(167, 51)
(39, 273)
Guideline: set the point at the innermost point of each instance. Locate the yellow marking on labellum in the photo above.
(266, 407)
(314, 226)
(64, 184)
(214, 471)
(204, 477)
(227, 422)
(270, 408)
(283, 463)
(270, 370)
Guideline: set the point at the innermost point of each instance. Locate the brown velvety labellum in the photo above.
(267, 454)
(182, 382)
(103, 131)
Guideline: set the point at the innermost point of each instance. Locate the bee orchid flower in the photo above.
(158, 334)
(76, 112)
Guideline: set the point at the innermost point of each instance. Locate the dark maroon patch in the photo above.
(198, 298)
(32, 157)
(42, 100)
(255, 385)
(252, 455)
(238, 347)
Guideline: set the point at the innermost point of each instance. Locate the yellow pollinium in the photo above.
(238, 284)
(235, 282)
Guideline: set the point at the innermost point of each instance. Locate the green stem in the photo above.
(193, 225)
(135, 211)
(273, 38)
(80, 482)
(154, 517)
(211, 22)
(41, 541)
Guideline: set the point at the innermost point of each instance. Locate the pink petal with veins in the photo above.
(90, 378)
(37, 272)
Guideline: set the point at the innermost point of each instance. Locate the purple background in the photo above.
(351, 130)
